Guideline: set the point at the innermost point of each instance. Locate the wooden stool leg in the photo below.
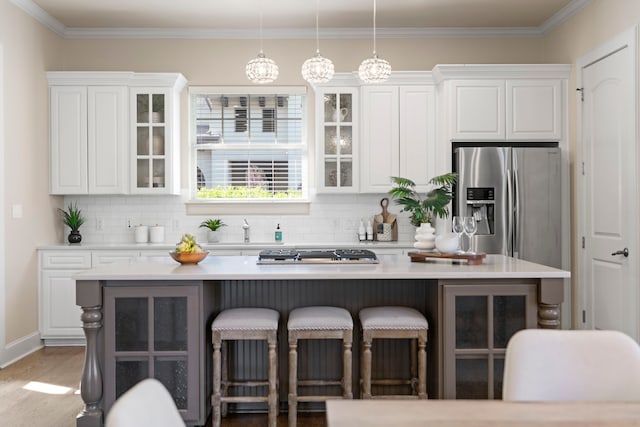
(414, 367)
(224, 388)
(293, 381)
(422, 367)
(215, 401)
(347, 356)
(366, 367)
(273, 391)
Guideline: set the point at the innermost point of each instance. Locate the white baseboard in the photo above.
(19, 348)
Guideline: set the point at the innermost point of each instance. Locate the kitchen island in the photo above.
(150, 318)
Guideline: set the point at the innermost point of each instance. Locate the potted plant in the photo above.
(72, 218)
(212, 224)
(432, 204)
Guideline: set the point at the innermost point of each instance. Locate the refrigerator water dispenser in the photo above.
(481, 206)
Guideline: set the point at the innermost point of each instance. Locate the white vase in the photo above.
(425, 237)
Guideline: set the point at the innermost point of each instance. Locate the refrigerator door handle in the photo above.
(509, 212)
(516, 214)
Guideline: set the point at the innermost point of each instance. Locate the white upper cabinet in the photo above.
(398, 136)
(88, 139)
(477, 110)
(91, 125)
(503, 102)
(534, 110)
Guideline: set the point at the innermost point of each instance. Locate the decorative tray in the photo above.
(472, 259)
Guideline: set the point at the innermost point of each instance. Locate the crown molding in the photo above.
(40, 15)
(296, 33)
(443, 72)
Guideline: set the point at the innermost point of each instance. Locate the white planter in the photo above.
(213, 236)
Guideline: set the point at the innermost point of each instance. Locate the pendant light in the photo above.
(374, 70)
(317, 69)
(261, 69)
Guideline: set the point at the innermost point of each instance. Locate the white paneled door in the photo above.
(609, 187)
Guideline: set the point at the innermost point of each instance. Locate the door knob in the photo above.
(624, 252)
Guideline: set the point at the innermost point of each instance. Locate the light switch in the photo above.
(16, 211)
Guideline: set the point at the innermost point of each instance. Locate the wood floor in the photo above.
(42, 390)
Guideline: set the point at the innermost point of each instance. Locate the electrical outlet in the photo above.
(128, 223)
(99, 224)
(176, 224)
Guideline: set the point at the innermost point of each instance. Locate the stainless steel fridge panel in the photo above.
(486, 167)
(537, 188)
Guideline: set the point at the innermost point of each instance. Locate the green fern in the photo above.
(435, 202)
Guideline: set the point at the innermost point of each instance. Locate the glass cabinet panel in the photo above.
(172, 372)
(132, 329)
(129, 372)
(471, 322)
(151, 140)
(336, 139)
(507, 318)
(170, 323)
(472, 378)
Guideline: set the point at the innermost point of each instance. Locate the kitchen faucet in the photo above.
(245, 229)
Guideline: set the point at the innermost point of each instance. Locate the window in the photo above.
(248, 143)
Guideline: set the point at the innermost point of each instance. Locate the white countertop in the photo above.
(390, 267)
(228, 246)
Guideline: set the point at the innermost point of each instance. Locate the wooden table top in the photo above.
(480, 413)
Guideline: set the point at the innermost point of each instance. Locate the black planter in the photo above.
(74, 237)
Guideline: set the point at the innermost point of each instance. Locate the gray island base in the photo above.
(154, 318)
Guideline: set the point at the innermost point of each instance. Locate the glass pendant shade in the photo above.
(374, 70)
(317, 69)
(262, 69)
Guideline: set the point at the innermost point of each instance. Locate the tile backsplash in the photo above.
(331, 218)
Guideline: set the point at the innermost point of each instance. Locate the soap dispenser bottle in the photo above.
(361, 232)
(278, 234)
(369, 231)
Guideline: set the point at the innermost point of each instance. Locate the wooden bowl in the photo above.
(192, 258)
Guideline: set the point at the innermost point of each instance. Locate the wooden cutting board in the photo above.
(472, 259)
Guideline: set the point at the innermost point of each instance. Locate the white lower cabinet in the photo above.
(60, 322)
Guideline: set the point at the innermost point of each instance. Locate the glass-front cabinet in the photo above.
(153, 332)
(479, 321)
(152, 142)
(337, 139)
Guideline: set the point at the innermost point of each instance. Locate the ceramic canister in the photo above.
(156, 234)
(142, 234)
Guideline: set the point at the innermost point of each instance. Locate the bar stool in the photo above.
(244, 324)
(318, 323)
(394, 323)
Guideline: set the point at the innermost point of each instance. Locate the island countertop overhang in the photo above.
(390, 267)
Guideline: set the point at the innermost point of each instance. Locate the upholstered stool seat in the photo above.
(394, 323)
(244, 324)
(318, 323)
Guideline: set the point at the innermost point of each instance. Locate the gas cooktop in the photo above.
(337, 256)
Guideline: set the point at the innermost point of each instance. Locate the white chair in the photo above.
(553, 365)
(148, 403)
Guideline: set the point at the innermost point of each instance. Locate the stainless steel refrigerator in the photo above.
(513, 192)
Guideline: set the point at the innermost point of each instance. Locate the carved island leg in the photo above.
(550, 296)
(91, 391)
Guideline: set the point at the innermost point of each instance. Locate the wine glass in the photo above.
(470, 228)
(458, 228)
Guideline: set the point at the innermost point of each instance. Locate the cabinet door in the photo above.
(479, 321)
(107, 137)
(380, 149)
(59, 314)
(534, 110)
(337, 140)
(99, 258)
(152, 332)
(477, 110)
(68, 139)
(417, 134)
(154, 145)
